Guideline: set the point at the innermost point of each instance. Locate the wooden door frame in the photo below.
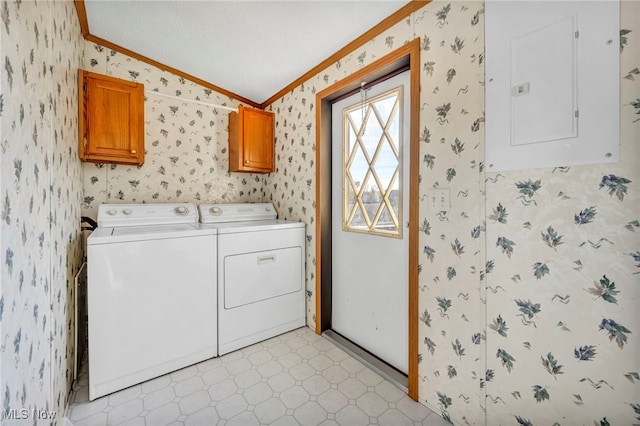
(409, 54)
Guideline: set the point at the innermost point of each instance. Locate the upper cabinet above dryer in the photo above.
(110, 119)
(251, 141)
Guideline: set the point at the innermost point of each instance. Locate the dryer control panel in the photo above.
(241, 212)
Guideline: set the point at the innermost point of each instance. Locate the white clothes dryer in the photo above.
(261, 291)
(151, 293)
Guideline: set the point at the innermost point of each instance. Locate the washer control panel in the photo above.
(114, 215)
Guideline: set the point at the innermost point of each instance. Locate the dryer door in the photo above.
(256, 276)
(260, 286)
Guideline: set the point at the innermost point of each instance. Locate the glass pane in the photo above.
(371, 198)
(358, 168)
(356, 115)
(385, 165)
(352, 139)
(372, 166)
(394, 131)
(358, 220)
(372, 134)
(394, 198)
(385, 222)
(385, 106)
(351, 196)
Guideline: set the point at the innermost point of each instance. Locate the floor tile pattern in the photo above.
(298, 378)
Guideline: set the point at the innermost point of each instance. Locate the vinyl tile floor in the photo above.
(298, 378)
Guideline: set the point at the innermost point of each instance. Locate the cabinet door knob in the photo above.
(133, 151)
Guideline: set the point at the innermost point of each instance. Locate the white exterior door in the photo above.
(370, 168)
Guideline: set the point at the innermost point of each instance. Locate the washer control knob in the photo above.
(267, 209)
(112, 212)
(126, 211)
(181, 211)
(215, 211)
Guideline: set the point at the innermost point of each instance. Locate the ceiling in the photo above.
(252, 49)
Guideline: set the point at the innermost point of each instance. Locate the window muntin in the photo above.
(372, 152)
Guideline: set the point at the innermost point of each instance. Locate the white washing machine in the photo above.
(151, 293)
(260, 272)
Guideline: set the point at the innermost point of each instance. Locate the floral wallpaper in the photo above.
(529, 282)
(451, 118)
(451, 243)
(563, 280)
(41, 192)
(186, 144)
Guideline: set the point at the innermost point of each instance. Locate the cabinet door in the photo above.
(112, 120)
(257, 149)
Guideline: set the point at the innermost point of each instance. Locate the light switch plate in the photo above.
(439, 199)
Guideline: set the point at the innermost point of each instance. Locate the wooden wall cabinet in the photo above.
(251, 143)
(110, 119)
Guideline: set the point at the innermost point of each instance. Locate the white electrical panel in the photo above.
(552, 83)
(543, 78)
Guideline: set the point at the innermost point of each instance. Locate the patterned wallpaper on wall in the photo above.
(186, 158)
(451, 117)
(451, 321)
(564, 290)
(529, 283)
(66, 187)
(40, 214)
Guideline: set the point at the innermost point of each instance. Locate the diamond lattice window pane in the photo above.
(385, 107)
(353, 139)
(372, 166)
(358, 220)
(385, 221)
(372, 135)
(386, 164)
(371, 198)
(358, 168)
(394, 197)
(351, 198)
(355, 117)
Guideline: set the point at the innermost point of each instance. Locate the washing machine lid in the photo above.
(117, 215)
(252, 226)
(106, 234)
(242, 212)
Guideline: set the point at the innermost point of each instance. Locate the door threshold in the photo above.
(391, 374)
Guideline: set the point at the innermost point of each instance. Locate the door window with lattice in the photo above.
(372, 167)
